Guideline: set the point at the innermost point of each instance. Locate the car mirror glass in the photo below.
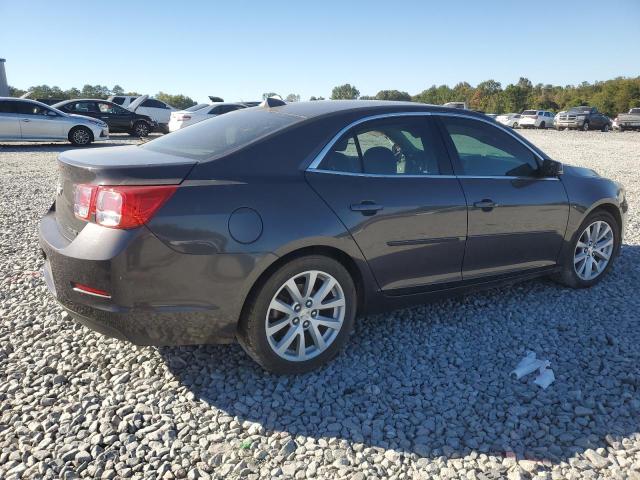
(551, 168)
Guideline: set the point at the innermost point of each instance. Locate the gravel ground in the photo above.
(419, 393)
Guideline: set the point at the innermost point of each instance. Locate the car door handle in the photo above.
(105, 118)
(485, 204)
(366, 207)
(26, 120)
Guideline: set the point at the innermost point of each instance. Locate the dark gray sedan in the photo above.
(277, 225)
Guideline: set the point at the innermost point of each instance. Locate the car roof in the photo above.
(29, 100)
(319, 108)
(85, 100)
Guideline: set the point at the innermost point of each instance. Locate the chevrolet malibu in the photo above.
(277, 225)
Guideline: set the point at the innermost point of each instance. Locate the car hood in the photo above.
(84, 117)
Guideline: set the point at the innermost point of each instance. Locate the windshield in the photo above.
(222, 134)
(199, 106)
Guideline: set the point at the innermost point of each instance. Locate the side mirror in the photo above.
(551, 168)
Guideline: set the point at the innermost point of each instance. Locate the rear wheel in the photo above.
(592, 251)
(515, 124)
(301, 316)
(606, 127)
(80, 136)
(542, 125)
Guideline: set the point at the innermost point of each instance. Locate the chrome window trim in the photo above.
(313, 166)
(461, 177)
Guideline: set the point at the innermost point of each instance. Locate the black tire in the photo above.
(80, 136)
(606, 127)
(585, 126)
(542, 125)
(252, 333)
(515, 125)
(568, 275)
(140, 129)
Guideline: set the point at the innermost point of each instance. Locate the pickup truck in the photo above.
(583, 118)
(628, 121)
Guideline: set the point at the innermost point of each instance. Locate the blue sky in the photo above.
(239, 49)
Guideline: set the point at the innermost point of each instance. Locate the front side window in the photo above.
(394, 146)
(82, 107)
(111, 109)
(485, 150)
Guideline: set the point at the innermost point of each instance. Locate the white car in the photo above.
(184, 118)
(509, 119)
(23, 120)
(159, 111)
(536, 119)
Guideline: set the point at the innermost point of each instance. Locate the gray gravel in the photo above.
(419, 393)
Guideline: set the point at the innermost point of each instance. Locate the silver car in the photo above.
(23, 120)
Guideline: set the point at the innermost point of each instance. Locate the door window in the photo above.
(485, 150)
(395, 146)
(153, 104)
(111, 109)
(28, 108)
(7, 107)
(118, 100)
(82, 107)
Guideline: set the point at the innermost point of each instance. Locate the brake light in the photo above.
(83, 196)
(87, 290)
(121, 206)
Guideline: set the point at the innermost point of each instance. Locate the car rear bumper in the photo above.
(157, 296)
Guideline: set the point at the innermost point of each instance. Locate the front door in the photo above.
(517, 218)
(390, 183)
(116, 117)
(39, 122)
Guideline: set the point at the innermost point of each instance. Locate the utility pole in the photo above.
(4, 86)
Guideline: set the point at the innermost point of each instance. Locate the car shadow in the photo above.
(435, 380)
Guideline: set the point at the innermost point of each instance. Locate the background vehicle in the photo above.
(583, 118)
(461, 105)
(23, 120)
(119, 119)
(157, 110)
(187, 117)
(628, 121)
(397, 203)
(509, 119)
(536, 119)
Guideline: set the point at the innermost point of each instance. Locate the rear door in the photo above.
(517, 219)
(390, 183)
(155, 109)
(9, 124)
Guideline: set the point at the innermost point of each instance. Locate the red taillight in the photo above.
(83, 196)
(96, 292)
(121, 206)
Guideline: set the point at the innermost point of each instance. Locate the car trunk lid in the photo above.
(113, 166)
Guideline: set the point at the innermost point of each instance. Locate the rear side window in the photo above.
(221, 135)
(153, 104)
(118, 100)
(28, 108)
(7, 107)
(485, 150)
(397, 146)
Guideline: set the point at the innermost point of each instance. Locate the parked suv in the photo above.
(536, 119)
(159, 111)
(583, 118)
(24, 120)
(119, 119)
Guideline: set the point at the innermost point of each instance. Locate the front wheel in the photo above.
(300, 317)
(80, 136)
(140, 129)
(585, 126)
(542, 125)
(606, 127)
(592, 251)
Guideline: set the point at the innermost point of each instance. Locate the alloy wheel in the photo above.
(305, 316)
(593, 250)
(81, 136)
(141, 130)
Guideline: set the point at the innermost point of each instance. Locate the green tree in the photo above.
(179, 101)
(269, 94)
(313, 99)
(117, 90)
(345, 92)
(16, 92)
(292, 97)
(393, 95)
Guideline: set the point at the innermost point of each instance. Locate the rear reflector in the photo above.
(80, 288)
(120, 206)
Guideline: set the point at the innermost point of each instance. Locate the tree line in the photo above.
(96, 91)
(610, 96)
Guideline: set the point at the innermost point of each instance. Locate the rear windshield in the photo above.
(223, 134)
(530, 112)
